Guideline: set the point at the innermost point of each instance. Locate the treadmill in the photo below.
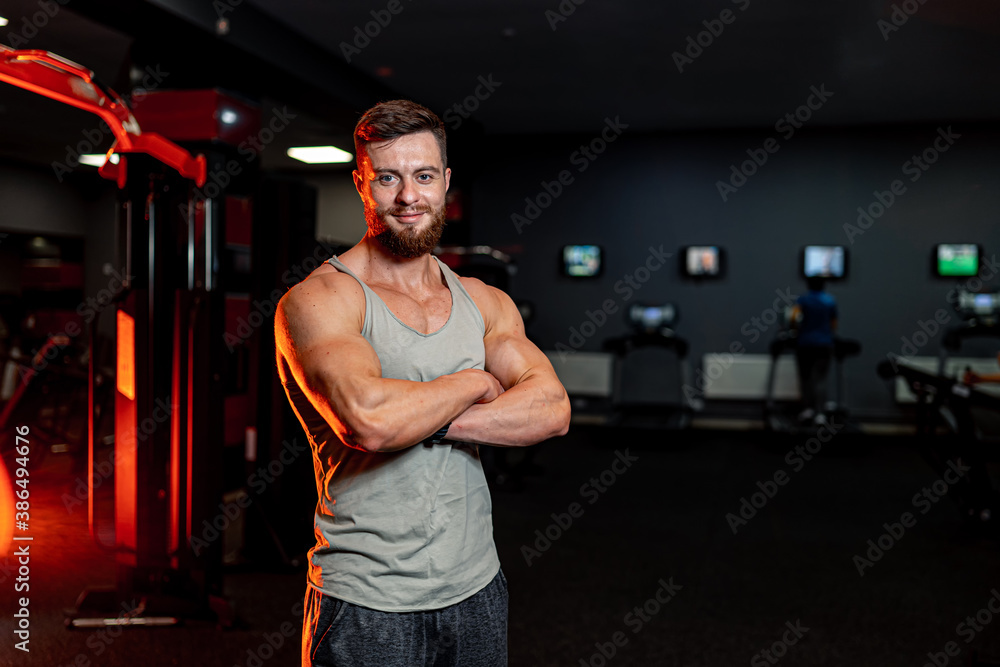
(836, 411)
(650, 366)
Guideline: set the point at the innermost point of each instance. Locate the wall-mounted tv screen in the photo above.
(702, 261)
(582, 261)
(956, 260)
(824, 261)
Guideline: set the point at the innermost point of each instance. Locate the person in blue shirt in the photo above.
(815, 317)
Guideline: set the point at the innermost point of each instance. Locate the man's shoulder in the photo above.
(325, 287)
(497, 308)
(487, 297)
(474, 286)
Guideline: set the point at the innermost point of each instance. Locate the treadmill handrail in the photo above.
(842, 348)
(622, 345)
(947, 388)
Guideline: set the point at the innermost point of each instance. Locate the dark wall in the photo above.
(652, 191)
(83, 206)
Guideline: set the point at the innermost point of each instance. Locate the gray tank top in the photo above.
(410, 530)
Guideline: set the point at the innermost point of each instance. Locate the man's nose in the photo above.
(407, 193)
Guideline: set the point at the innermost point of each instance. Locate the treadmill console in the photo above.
(981, 306)
(653, 318)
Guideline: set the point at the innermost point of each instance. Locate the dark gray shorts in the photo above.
(472, 633)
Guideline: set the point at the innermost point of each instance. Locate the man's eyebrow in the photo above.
(396, 172)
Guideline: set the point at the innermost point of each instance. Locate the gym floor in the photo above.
(629, 548)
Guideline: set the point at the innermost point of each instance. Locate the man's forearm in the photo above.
(529, 412)
(390, 415)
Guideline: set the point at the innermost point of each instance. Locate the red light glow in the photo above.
(126, 355)
(6, 509)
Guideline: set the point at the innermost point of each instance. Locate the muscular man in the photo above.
(398, 370)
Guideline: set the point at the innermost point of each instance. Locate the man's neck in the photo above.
(375, 265)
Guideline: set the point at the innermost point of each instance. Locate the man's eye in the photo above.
(424, 177)
(385, 178)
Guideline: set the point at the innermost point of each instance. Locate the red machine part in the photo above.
(60, 79)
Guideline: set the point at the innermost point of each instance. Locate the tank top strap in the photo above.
(460, 296)
(335, 262)
(370, 296)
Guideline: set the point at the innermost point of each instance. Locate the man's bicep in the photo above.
(510, 356)
(318, 335)
(513, 359)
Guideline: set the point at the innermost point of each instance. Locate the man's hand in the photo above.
(494, 388)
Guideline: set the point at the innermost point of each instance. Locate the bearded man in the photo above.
(399, 370)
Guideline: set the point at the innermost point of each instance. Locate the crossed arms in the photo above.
(516, 401)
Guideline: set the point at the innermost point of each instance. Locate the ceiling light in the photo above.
(97, 159)
(3, 21)
(320, 154)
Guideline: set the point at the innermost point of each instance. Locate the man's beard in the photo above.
(406, 243)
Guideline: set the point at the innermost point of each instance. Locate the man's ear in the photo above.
(359, 183)
(447, 178)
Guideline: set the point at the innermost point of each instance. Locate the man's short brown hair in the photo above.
(395, 118)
